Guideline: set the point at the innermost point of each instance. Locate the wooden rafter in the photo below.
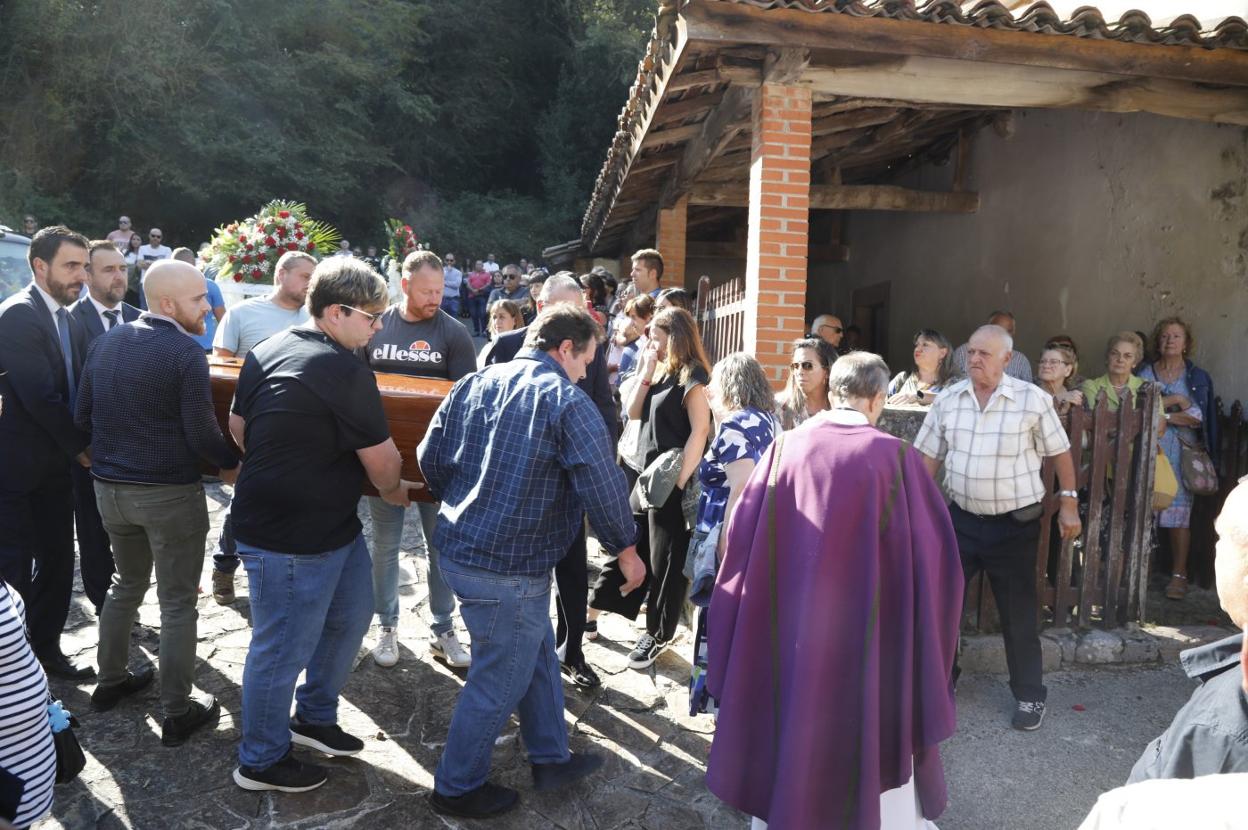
(850, 197)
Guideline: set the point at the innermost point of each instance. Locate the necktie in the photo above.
(67, 351)
(111, 314)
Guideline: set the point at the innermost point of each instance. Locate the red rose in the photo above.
(270, 241)
(291, 246)
(285, 214)
(298, 226)
(311, 246)
(233, 258)
(250, 247)
(281, 231)
(246, 258)
(238, 277)
(298, 234)
(260, 257)
(407, 228)
(242, 237)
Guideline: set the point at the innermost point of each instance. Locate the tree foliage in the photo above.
(484, 122)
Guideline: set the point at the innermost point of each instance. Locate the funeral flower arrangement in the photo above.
(401, 239)
(246, 251)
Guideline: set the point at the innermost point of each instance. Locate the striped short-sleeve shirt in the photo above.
(992, 456)
(26, 749)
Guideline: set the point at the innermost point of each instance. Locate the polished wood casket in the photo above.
(409, 403)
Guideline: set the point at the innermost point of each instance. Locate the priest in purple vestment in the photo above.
(833, 625)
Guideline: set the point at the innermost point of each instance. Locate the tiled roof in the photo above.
(1086, 21)
(1039, 18)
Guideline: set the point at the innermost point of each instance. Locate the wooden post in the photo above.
(778, 242)
(671, 239)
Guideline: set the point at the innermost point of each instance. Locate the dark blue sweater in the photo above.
(145, 397)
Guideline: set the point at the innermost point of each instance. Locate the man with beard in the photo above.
(99, 312)
(145, 397)
(40, 360)
(242, 328)
(420, 339)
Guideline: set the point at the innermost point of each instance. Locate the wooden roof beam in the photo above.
(724, 123)
(849, 197)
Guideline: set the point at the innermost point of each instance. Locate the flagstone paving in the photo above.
(656, 753)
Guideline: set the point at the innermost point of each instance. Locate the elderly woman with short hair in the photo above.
(1123, 353)
(1055, 372)
(933, 371)
(742, 403)
(1187, 397)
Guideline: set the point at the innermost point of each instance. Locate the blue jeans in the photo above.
(387, 536)
(476, 307)
(451, 306)
(226, 557)
(514, 668)
(307, 611)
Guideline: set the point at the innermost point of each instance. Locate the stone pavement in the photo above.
(656, 753)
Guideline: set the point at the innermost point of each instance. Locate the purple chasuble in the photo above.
(870, 598)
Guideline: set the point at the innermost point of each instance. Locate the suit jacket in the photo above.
(595, 383)
(37, 431)
(92, 325)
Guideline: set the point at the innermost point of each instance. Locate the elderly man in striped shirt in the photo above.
(518, 455)
(992, 432)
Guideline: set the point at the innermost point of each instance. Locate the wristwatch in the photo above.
(1074, 494)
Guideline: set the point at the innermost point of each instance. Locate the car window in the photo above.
(14, 268)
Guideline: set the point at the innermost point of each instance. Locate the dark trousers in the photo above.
(667, 545)
(1006, 551)
(572, 578)
(37, 552)
(95, 552)
(476, 305)
(226, 558)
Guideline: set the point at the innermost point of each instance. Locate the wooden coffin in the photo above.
(409, 403)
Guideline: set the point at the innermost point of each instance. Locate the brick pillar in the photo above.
(776, 248)
(671, 239)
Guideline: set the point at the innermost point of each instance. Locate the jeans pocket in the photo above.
(479, 615)
(253, 564)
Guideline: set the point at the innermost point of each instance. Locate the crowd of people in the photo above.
(825, 558)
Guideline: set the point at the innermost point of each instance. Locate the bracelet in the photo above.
(1070, 494)
(645, 383)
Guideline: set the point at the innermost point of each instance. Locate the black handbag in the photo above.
(70, 758)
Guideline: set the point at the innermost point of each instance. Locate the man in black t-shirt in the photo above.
(308, 415)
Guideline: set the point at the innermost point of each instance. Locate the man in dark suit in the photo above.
(572, 572)
(41, 351)
(100, 310)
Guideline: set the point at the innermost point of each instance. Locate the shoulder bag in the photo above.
(1199, 473)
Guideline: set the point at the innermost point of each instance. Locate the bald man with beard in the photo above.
(146, 400)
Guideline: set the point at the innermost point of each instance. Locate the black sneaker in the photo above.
(289, 775)
(581, 675)
(554, 776)
(483, 802)
(106, 697)
(328, 739)
(1028, 715)
(645, 652)
(174, 731)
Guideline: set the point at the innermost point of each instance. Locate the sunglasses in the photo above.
(804, 364)
(372, 318)
(155, 236)
(836, 329)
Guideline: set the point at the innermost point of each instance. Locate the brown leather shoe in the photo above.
(222, 587)
(1177, 589)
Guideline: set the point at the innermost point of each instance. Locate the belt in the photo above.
(991, 517)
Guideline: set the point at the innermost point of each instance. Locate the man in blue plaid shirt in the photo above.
(517, 454)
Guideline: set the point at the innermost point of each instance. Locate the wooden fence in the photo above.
(1101, 578)
(720, 312)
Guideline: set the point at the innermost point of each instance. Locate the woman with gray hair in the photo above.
(742, 402)
(933, 371)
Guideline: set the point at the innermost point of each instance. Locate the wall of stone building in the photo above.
(1089, 223)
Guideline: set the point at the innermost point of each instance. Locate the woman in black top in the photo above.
(670, 401)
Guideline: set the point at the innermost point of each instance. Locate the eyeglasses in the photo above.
(836, 329)
(804, 364)
(1053, 363)
(372, 318)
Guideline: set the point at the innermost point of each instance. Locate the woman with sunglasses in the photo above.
(806, 393)
(670, 402)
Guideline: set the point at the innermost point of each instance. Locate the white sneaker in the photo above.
(448, 648)
(386, 654)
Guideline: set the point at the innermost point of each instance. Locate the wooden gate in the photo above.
(1101, 578)
(720, 312)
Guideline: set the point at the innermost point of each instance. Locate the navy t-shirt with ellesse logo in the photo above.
(439, 347)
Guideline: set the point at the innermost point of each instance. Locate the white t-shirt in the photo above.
(251, 321)
(148, 253)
